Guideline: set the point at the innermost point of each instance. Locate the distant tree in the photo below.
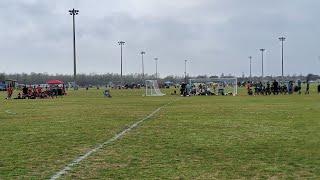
(214, 76)
(312, 77)
(202, 77)
(103, 79)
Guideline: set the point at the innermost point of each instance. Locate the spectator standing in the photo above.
(9, 91)
(308, 87)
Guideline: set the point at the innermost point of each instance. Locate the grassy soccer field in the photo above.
(191, 138)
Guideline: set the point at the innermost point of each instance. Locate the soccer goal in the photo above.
(152, 88)
(215, 86)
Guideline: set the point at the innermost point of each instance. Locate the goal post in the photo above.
(218, 86)
(152, 88)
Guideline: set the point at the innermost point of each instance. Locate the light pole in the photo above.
(73, 13)
(282, 39)
(121, 43)
(250, 57)
(185, 71)
(262, 50)
(319, 59)
(142, 64)
(156, 60)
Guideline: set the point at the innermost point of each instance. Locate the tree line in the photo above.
(84, 79)
(104, 79)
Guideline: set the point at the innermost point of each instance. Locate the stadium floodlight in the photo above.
(152, 88)
(121, 43)
(250, 57)
(142, 63)
(185, 71)
(156, 61)
(282, 39)
(73, 13)
(262, 50)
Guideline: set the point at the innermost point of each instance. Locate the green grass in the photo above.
(193, 138)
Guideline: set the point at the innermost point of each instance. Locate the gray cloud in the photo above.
(216, 36)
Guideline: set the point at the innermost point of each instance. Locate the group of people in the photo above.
(34, 92)
(277, 88)
(253, 88)
(204, 89)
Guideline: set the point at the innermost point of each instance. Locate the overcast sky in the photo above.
(216, 36)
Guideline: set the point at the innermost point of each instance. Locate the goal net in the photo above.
(152, 88)
(214, 86)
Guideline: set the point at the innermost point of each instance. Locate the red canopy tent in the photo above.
(55, 82)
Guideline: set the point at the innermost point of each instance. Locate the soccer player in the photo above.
(107, 93)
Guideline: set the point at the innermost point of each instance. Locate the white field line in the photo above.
(77, 161)
(9, 112)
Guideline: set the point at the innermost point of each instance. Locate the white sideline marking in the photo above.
(9, 112)
(114, 138)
